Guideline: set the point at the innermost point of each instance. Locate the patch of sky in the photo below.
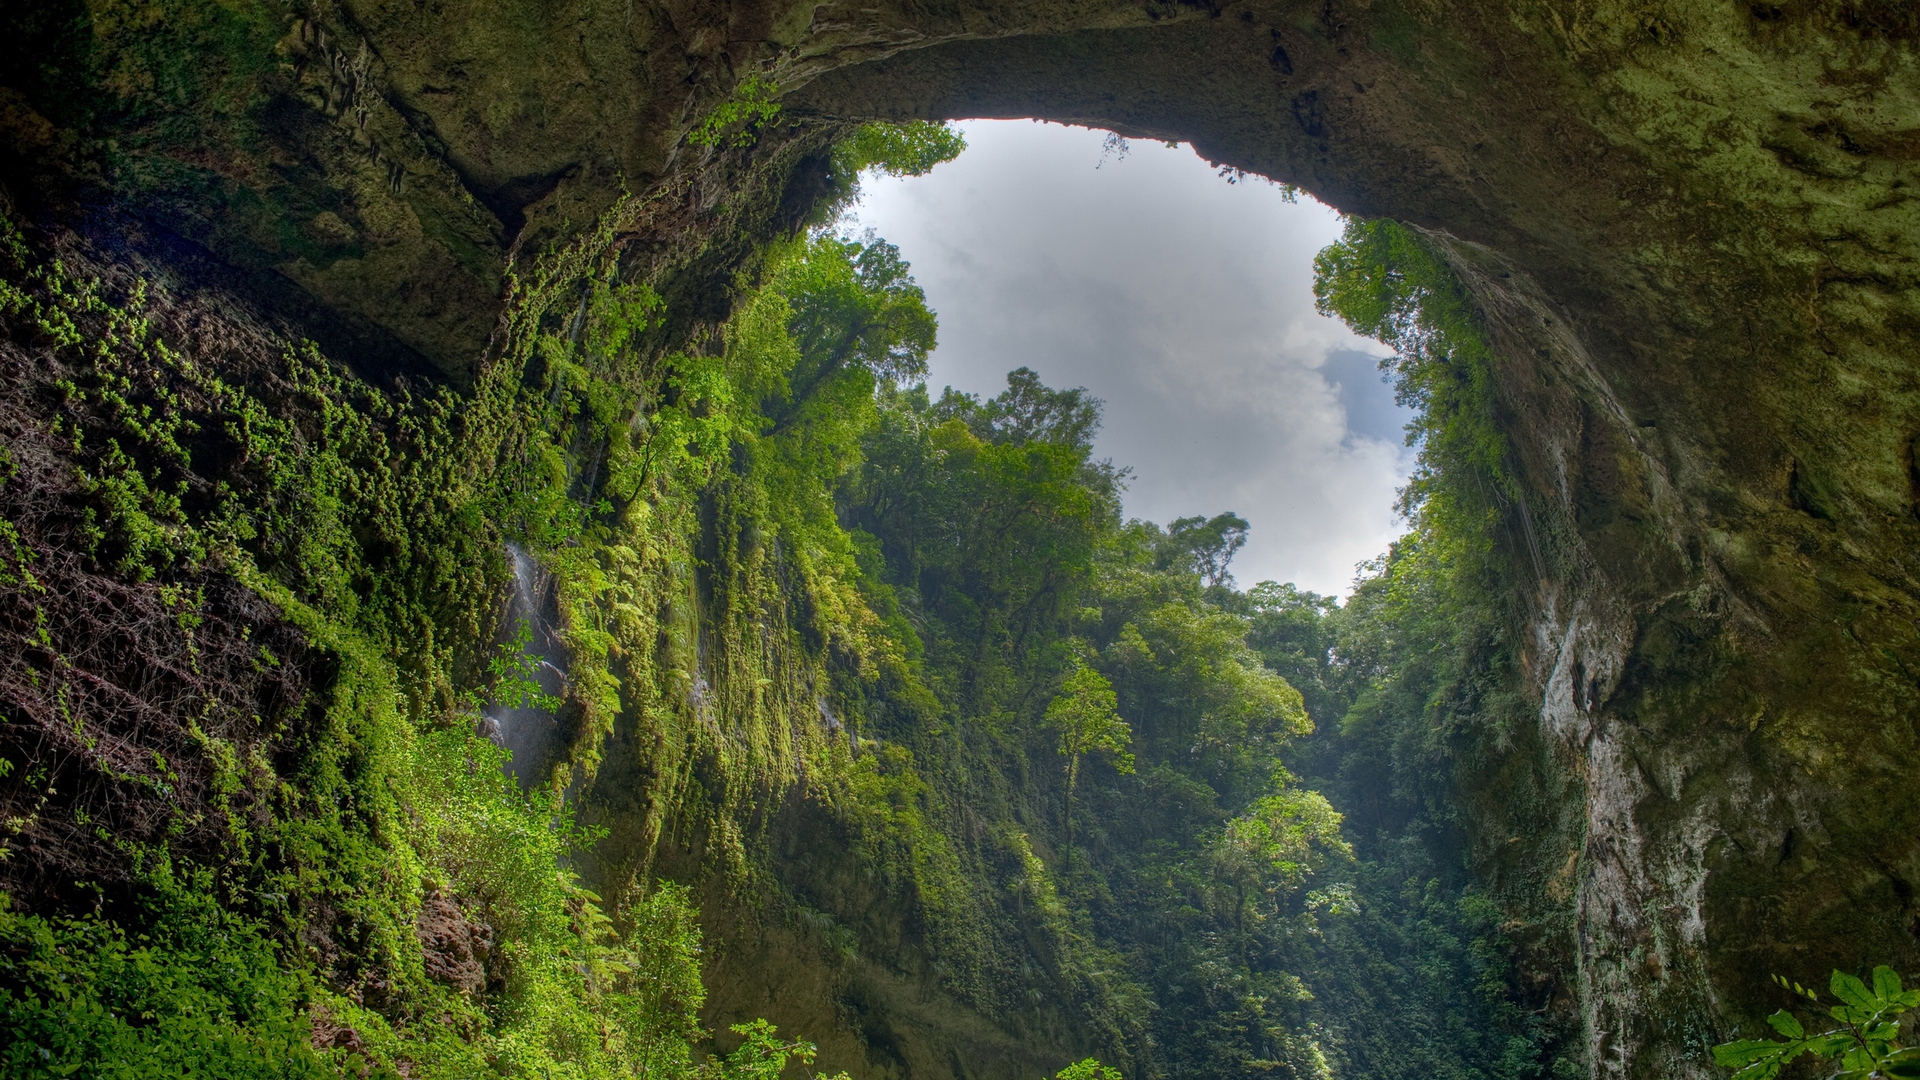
(1184, 301)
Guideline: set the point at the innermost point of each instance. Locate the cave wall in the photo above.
(1690, 225)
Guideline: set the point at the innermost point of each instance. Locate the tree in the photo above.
(1276, 845)
(989, 540)
(1088, 1069)
(1210, 542)
(761, 1055)
(853, 306)
(909, 149)
(1084, 715)
(1028, 411)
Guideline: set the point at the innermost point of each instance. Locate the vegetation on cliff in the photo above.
(256, 824)
(254, 599)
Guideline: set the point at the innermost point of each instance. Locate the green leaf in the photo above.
(1830, 1044)
(1882, 1031)
(1742, 1052)
(1902, 1064)
(1087, 1069)
(1852, 991)
(1886, 984)
(1784, 1023)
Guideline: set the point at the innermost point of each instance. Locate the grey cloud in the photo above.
(1185, 303)
(1366, 394)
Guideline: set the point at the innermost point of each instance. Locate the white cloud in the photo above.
(1184, 301)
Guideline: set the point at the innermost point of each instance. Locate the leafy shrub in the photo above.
(198, 993)
(737, 121)
(1866, 1042)
(1087, 1069)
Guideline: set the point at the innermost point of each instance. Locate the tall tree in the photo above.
(1085, 713)
(1210, 543)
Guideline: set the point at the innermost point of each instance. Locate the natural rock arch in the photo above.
(1690, 226)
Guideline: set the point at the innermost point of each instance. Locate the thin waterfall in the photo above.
(532, 734)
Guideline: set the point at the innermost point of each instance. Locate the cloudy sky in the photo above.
(1186, 303)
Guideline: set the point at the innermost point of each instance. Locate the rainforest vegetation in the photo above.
(255, 823)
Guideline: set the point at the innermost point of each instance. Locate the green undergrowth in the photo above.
(368, 521)
(396, 902)
(196, 992)
(1417, 673)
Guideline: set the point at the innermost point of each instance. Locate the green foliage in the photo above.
(1416, 969)
(1208, 543)
(909, 149)
(1087, 1069)
(198, 992)
(1282, 840)
(1083, 715)
(851, 307)
(1043, 620)
(513, 671)
(737, 121)
(1027, 412)
(987, 536)
(1412, 688)
(782, 562)
(372, 524)
(762, 1054)
(1866, 1043)
(1382, 280)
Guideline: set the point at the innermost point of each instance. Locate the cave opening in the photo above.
(1179, 293)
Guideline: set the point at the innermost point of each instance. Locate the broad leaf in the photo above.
(1757, 1059)
(1784, 1023)
(1830, 1044)
(1852, 991)
(1882, 1031)
(1886, 984)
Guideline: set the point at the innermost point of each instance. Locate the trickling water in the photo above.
(533, 734)
(834, 726)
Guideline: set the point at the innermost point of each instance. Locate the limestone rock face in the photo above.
(456, 947)
(1692, 226)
